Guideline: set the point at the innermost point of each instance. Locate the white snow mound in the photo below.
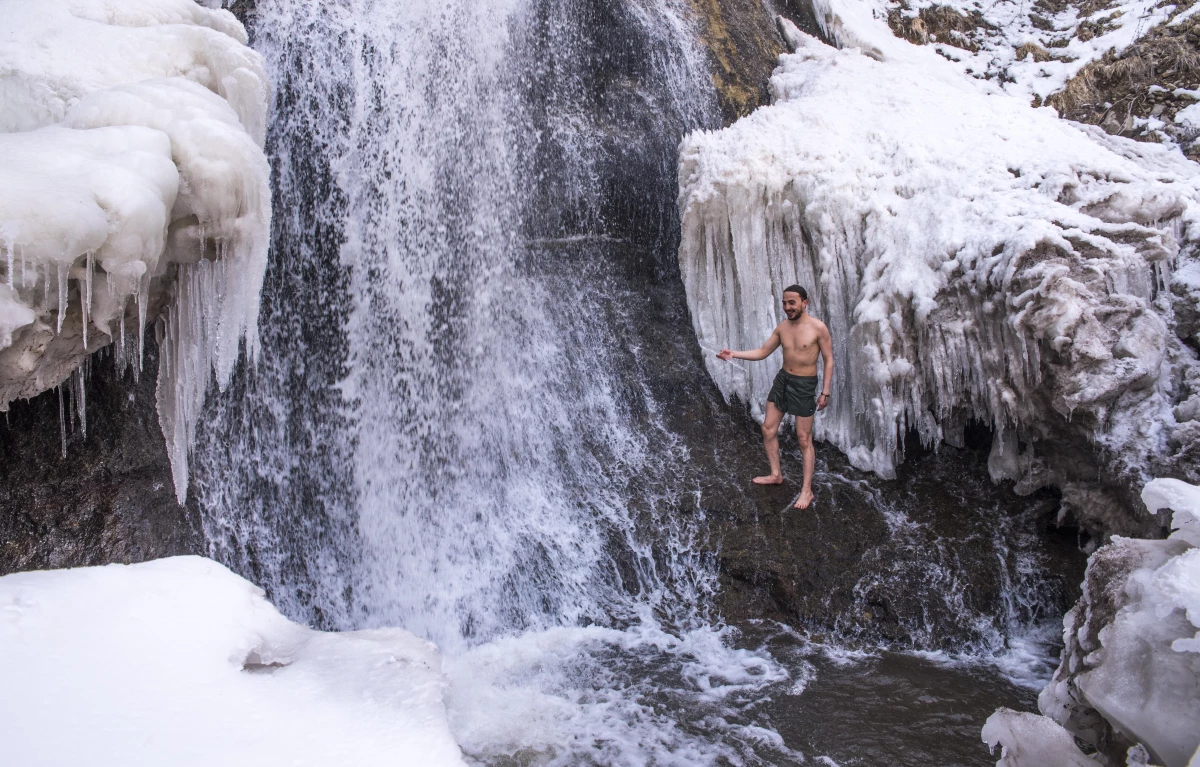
(181, 662)
(974, 258)
(132, 178)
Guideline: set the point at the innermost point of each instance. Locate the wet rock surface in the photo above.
(939, 558)
(110, 499)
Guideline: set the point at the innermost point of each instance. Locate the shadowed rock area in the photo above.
(110, 499)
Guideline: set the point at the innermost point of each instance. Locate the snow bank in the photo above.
(1130, 672)
(974, 258)
(181, 662)
(132, 177)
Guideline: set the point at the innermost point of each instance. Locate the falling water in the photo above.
(470, 414)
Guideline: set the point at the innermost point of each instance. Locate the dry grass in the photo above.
(938, 23)
(1116, 88)
(1033, 49)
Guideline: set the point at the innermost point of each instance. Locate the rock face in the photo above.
(937, 559)
(109, 498)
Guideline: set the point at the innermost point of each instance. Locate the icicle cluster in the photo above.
(974, 259)
(131, 166)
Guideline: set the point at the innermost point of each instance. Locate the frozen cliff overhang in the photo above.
(132, 183)
(1129, 683)
(974, 259)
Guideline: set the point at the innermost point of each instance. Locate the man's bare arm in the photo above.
(761, 353)
(825, 342)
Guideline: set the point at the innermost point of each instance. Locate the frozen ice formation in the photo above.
(1130, 671)
(973, 257)
(132, 183)
(179, 661)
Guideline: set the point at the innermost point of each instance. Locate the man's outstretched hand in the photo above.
(822, 401)
(725, 354)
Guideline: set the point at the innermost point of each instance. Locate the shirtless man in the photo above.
(801, 337)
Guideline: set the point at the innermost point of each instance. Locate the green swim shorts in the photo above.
(794, 395)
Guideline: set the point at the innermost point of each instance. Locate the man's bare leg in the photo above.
(804, 433)
(770, 430)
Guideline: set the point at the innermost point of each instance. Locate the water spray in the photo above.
(731, 362)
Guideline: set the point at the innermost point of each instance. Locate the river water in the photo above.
(481, 415)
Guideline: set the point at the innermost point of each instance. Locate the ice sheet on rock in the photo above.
(218, 237)
(1029, 740)
(70, 199)
(1131, 662)
(970, 254)
(1181, 498)
(181, 662)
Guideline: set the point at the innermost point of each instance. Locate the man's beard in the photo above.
(791, 314)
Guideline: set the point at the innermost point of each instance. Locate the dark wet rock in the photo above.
(111, 499)
(939, 558)
(743, 45)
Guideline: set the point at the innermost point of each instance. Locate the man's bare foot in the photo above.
(805, 500)
(770, 479)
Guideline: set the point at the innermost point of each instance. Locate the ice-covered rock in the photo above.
(132, 179)
(974, 259)
(1130, 671)
(1029, 740)
(179, 661)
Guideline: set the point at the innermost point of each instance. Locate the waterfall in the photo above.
(438, 436)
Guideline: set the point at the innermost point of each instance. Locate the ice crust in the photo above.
(132, 179)
(974, 258)
(181, 662)
(1130, 672)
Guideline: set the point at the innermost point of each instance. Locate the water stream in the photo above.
(480, 413)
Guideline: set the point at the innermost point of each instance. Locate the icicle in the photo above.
(143, 298)
(10, 248)
(85, 303)
(62, 294)
(62, 422)
(122, 354)
(81, 397)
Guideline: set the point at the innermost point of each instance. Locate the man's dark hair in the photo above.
(798, 291)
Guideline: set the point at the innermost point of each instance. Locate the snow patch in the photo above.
(181, 662)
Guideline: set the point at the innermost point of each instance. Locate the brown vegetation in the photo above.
(1139, 83)
(937, 23)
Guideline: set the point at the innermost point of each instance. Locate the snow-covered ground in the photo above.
(1031, 49)
(181, 662)
(1130, 673)
(132, 178)
(974, 258)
